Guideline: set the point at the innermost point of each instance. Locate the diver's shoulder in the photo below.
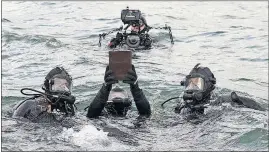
(22, 107)
(24, 102)
(221, 99)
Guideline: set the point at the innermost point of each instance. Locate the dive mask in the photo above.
(59, 85)
(194, 88)
(118, 101)
(118, 96)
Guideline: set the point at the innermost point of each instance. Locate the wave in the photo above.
(91, 138)
(5, 20)
(254, 59)
(48, 3)
(216, 33)
(49, 41)
(231, 17)
(242, 27)
(242, 79)
(9, 99)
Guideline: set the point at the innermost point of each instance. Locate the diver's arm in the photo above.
(116, 41)
(98, 103)
(141, 102)
(239, 100)
(127, 26)
(247, 102)
(113, 43)
(147, 28)
(221, 99)
(100, 100)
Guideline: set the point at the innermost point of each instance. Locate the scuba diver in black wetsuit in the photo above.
(138, 38)
(57, 97)
(199, 85)
(115, 101)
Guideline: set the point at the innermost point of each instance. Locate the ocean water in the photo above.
(231, 38)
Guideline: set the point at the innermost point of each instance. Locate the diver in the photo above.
(141, 29)
(137, 36)
(57, 99)
(199, 86)
(116, 101)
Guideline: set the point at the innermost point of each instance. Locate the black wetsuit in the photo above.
(34, 109)
(40, 109)
(98, 104)
(241, 101)
(119, 38)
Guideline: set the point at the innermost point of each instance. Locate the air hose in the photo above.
(169, 100)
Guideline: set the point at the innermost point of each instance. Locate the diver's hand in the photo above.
(116, 41)
(119, 37)
(113, 43)
(131, 78)
(109, 78)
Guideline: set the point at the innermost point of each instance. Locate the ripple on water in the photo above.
(50, 42)
(254, 59)
(231, 17)
(28, 49)
(5, 20)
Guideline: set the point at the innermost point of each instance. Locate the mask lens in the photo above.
(195, 84)
(60, 85)
(116, 96)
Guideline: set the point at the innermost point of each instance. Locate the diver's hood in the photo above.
(118, 101)
(200, 78)
(58, 81)
(143, 19)
(198, 85)
(116, 94)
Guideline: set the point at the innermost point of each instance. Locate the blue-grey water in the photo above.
(231, 38)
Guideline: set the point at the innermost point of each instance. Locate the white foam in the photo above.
(89, 138)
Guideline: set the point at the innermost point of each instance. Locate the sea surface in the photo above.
(231, 38)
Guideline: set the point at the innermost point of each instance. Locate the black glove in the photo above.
(116, 41)
(109, 79)
(119, 37)
(131, 78)
(113, 43)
